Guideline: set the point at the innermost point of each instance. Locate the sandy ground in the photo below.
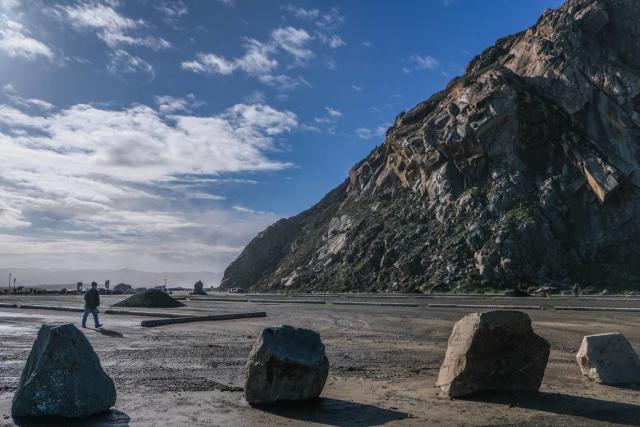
(384, 364)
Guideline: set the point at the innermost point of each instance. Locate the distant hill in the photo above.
(53, 278)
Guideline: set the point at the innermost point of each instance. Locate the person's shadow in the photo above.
(334, 412)
(566, 404)
(109, 333)
(110, 418)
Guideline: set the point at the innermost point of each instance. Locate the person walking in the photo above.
(91, 304)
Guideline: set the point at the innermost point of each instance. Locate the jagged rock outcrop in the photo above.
(525, 170)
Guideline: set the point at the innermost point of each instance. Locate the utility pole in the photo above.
(9, 282)
(14, 285)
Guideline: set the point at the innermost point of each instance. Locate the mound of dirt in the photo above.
(151, 298)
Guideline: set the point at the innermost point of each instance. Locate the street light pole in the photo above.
(9, 282)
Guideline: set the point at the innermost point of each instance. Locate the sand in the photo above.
(384, 364)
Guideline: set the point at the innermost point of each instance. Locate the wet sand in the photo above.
(384, 363)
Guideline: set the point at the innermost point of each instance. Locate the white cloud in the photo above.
(246, 210)
(368, 133)
(331, 20)
(139, 145)
(334, 41)
(255, 97)
(357, 88)
(302, 13)
(9, 5)
(333, 112)
(209, 63)
(16, 42)
(294, 41)
(202, 196)
(171, 104)
(171, 9)
(123, 62)
(426, 62)
(114, 187)
(330, 119)
(12, 94)
(283, 82)
(112, 27)
(10, 217)
(258, 60)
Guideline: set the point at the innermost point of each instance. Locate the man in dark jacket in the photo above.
(91, 304)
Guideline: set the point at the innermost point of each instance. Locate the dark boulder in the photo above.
(198, 288)
(285, 364)
(62, 377)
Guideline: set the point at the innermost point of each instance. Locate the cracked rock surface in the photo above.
(285, 364)
(524, 171)
(62, 377)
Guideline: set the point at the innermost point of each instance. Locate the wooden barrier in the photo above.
(5, 305)
(378, 304)
(51, 307)
(621, 309)
(285, 301)
(162, 322)
(489, 306)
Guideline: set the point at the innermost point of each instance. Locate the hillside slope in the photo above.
(525, 170)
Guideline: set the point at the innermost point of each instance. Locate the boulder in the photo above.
(62, 377)
(198, 288)
(609, 359)
(493, 351)
(285, 364)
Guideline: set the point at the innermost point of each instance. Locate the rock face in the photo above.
(523, 171)
(285, 364)
(609, 359)
(494, 351)
(62, 377)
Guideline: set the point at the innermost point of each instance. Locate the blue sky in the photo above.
(163, 135)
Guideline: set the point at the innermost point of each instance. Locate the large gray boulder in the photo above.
(493, 351)
(609, 359)
(62, 377)
(285, 364)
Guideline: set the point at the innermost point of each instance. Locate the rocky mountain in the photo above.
(524, 171)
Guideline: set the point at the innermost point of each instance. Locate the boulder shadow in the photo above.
(110, 418)
(566, 404)
(334, 412)
(109, 333)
